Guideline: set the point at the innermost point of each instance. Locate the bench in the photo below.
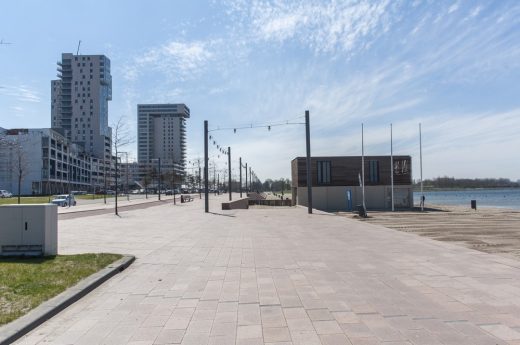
(186, 198)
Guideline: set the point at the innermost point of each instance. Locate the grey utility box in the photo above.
(29, 229)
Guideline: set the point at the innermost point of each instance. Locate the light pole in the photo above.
(206, 186)
(246, 180)
(229, 172)
(309, 174)
(160, 177)
(240, 169)
(126, 172)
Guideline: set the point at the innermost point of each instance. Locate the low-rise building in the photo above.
(46, 162)
(336, 182)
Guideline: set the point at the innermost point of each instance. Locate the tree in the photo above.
(17, 157)
(121, 137)
(146, 180)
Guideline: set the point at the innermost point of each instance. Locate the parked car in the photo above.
(5, 194)
(64, 200)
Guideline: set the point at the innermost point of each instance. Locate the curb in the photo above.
(23, 325)
(112, 207)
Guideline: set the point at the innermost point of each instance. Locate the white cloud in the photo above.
(22, 93)
(453, 8)
(181, 60)
(323, 27)
(475, 12)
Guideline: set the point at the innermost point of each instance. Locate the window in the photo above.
(374, 171)
(323, 172)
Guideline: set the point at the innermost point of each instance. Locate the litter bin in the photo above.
(474, 204)
(361, 211)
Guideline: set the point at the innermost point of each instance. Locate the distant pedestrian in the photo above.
(423, 198)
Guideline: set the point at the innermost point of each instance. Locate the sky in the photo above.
(452, 66)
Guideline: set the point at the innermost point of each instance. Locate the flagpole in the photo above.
(420, 155)
(363, 167)
(392, 165)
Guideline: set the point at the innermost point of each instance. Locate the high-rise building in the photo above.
(161, 133)
(79, 107)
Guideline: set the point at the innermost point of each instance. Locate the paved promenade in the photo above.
(280, 276)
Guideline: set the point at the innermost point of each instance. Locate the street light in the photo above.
(126, 172)
(159, 177)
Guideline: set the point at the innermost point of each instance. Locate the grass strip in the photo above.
(27, 282)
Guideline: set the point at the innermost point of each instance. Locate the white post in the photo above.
(392, 165)
(420, 155)
(363, 167)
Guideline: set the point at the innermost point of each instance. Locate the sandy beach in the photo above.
(490, 230)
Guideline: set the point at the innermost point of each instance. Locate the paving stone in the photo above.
(276, 334)
(169, 336)
(261, 275)
(249, 332)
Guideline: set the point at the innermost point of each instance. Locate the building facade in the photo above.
(336, 182)
(161, 134)
(76, 153)
(47, 162)
(79, 102)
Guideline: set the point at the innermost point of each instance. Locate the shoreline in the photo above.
(462, 208)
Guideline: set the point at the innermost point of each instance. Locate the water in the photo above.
(502, 198)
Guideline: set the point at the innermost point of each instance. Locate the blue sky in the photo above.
(453, 66)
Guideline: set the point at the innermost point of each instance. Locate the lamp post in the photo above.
(206, 186)
(126, 172)
(229, 172)
(308, 160)
(240, 169)
(160, 177)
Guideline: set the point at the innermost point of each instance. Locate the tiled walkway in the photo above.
(280, 276)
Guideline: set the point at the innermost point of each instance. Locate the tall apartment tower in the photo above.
(161, 133)
(79, 107)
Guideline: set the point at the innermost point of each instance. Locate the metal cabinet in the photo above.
(28, 229)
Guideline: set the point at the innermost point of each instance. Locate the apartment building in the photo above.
(79, 102)
(161, 134)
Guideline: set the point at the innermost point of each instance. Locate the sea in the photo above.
(499, 198)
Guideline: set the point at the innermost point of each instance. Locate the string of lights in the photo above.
(264, 125)
(217, 146)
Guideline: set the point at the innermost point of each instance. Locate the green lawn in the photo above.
(45, 199)
(27, 282)
(25, 200)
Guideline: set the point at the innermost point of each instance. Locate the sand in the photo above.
(490, 230)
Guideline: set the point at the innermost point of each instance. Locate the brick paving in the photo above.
(282, 277)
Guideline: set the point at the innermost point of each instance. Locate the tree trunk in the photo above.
(116, 184)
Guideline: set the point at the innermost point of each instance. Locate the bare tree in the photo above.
(17, 158)
(121, 137)
(146, 180)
